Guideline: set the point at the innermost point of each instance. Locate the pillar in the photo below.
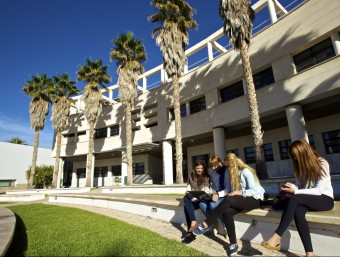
(167, 163)
(296, 122)
(219, 141)
(124, 168)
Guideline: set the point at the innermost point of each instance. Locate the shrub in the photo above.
(43, 176)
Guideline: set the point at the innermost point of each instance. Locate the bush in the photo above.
(43, 176)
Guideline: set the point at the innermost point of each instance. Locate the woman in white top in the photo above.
(313, 193)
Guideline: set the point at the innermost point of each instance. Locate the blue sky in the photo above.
(56, 36)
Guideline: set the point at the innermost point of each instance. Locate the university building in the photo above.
(296, 68)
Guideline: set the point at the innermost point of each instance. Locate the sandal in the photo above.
(270, 247)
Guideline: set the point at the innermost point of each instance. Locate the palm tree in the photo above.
(17, 140)
(95, 75)
(176, 18)
(63, 89)
(38, 88)
(129, 53)
(238, 19)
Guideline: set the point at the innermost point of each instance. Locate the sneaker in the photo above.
(200, 230)
(233, 249)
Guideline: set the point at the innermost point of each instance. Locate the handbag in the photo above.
(200, 195)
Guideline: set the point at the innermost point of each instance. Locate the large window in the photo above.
(81, 173)
(284, 145)
(100, 133)
(138, 168)
(197, 105)
(234, 151)
(100, 171)
(314, 55)
(249, 153)
(114, 130)
(268, 152)
(331, 140)
(201, 157)
(183, 110)
(264, 78)
(233, 91)
(116, 170)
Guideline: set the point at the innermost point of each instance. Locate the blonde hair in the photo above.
(235, 164)
(214, 160)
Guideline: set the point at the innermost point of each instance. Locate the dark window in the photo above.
(284, 145)
(100, 171)
(233, 91)
(264, 78)
(69, 135)
(151, 125)
(114, 130)
(81, 173)
(100, 133)
(234, 151)
(116, 170)
(249, 153)
(201, 157)
(197, 105)
(331, 140)
(138, 168)
(268, 152)
(183, 110)
(311, 141)
(314, 55)
(80, 133)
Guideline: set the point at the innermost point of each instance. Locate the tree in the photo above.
(95, 75)
(63, 89)
(238, 19)
(17, 140)
(176, 18)
(129, 53)
(38, 88)
(42, 177)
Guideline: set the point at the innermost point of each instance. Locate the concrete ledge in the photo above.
(154, 189)
(21, 198)
(7, 227)
(49, 191)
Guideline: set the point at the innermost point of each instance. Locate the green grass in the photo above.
(5, 202)
(47, 230)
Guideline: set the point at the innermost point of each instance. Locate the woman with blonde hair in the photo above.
(313, 193)
(246, 195)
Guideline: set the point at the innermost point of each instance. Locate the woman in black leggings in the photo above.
(314, 193)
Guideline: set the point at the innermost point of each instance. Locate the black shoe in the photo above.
(233, 249)
(189, 238)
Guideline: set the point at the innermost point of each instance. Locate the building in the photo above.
(16, 160)
(295, 62)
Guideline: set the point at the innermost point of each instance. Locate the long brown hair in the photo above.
(202, 180)
(306, 163)
(235, 164)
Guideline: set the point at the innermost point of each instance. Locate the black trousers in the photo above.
(296, 208)
(230, 206)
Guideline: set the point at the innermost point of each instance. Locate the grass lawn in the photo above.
(48, 230)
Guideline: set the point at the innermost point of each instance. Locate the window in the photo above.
(233, 91)
(314, 55)
(69, 135)
(284, 145)
(331, 140)
(114, 130)
(100, 171)
(268, 152)
(201, 157)
(100, 133)
(264, 78)
(81, 173)
(151, 125)
(116, 170)
(234, 151)
(249, 153)
(183, 110)
(311, 141)
(138, 168)
(197, 105)
(80, 133)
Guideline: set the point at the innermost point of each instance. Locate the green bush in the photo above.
(43, 176)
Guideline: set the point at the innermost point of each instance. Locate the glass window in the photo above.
(114, 130)
(264, 78)
(100, 133)
(138, 168)
(183, 110)
(249, 153)
(69, 135)
(268, 152)
(284, 145)
(80, 133)
(233, 91)
(201, 157)
(100, 171)
(197, 105)
(331, 141)
(116, 170)
(234, 151)
(311, 141)
(81, 173)
(314, 55)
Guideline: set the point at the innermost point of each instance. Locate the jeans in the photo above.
(190, 207)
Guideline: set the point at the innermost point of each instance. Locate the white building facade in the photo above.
(295, 62)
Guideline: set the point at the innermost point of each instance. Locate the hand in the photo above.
(288, 188)
(194, 199)
(214, 197)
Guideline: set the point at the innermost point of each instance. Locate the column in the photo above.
(74, 180)
(60, 172)
(272, 11)
(219, 141)
(296, 122)
(210, 52)
(167, 163)
(109, 177)
(336, 42)
(124, 168)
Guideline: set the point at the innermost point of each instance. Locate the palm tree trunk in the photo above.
(57, 158)
(178, 132)
(129, 143)
(261, 167)
(89, 156)
(34, 159)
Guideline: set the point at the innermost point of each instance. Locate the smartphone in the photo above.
(284, 186)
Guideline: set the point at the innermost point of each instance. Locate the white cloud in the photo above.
(20, 127)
